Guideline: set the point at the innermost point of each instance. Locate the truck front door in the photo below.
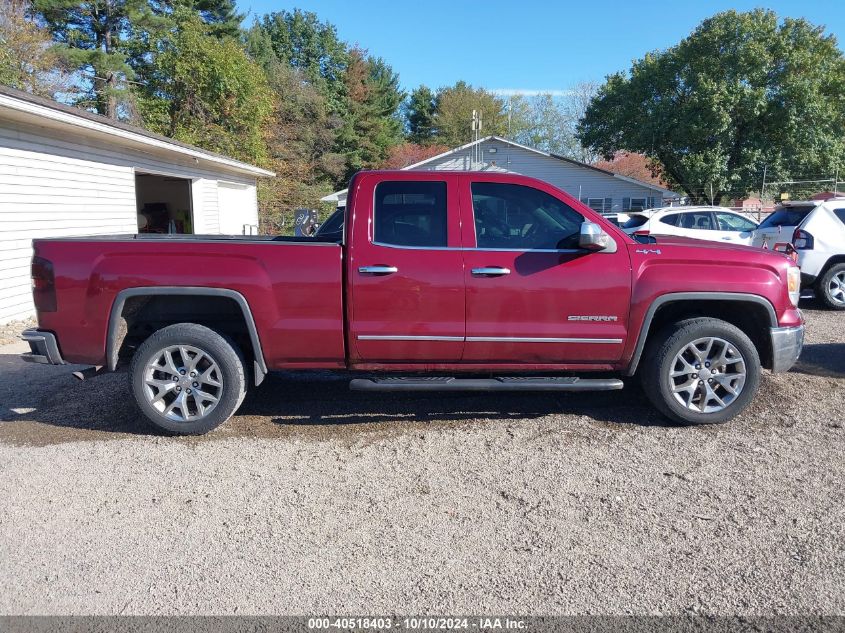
(405, 301)
(532, 296)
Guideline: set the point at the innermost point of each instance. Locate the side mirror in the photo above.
(593, 238)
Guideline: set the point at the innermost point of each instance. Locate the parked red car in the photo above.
(440, 277)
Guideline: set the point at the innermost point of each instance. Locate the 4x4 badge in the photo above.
(646, 251)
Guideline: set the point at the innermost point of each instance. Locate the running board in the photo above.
(516, 383)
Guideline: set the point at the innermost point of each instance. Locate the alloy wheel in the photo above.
(836, 288)
(183, 383)
(707, 375)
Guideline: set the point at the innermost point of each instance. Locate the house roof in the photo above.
(666, 192)
(24, 102)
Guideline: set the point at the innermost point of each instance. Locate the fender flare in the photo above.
(259, 364)
(674, 297)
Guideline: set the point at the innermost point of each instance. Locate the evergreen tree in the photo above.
(92, 37)
(419, 113)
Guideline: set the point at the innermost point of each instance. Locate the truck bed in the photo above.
(292, 285)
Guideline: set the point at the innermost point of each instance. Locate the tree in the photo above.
(300, 137)
(221, 16)
(419, 111)
(453, 116)
(371, 125)
(360, 91)
(550, 122)
(742, 91)
(27, 61)
(91, 36)
(300, 40)
(635, 166)
(405, 154)
(207, 92)
(544, 125)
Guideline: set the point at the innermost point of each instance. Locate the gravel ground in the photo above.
(317, 500)
(11, 332)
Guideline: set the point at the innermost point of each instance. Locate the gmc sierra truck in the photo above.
(438, 281)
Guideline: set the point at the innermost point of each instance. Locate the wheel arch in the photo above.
(116, 324)
(755, 322)
(830, 263)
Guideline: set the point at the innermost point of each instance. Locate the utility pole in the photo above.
(762, 193)
(476, 134)
(510, 113)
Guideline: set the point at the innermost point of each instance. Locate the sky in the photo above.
(524, 45)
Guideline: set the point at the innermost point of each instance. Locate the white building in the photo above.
(66, 172)
(602, 190)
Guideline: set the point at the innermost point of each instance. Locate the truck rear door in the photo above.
(405, 272)
(532, 296)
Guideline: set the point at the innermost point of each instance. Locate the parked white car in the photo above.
(779, 226)
(716, 224)
(820, 241)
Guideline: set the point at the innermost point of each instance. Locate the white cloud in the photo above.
(530, 92)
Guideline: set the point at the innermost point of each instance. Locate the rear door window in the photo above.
(697, 221)
(840, 213)
(411, 213)
(671, 219)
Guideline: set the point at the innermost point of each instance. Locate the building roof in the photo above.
(666, 192)
(47, 109)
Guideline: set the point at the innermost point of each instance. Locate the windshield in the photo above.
(788, 216)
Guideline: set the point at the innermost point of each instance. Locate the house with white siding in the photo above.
(600, 189)
(66, 172)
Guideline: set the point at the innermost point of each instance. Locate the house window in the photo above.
(638, 204)
(600, 205)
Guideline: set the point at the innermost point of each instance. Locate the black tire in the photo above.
(218, 350)
(661, 354)
(823, 287)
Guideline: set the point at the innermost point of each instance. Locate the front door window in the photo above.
(515, 217)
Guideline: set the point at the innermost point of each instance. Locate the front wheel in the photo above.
(187, 379)
(701, 371)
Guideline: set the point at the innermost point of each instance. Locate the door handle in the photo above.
(491, 271)
(378, 270)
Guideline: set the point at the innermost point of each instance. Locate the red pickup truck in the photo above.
(438, 281)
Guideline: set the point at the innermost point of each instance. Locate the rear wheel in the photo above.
(701, 371)
(830, 287)
(187, 379)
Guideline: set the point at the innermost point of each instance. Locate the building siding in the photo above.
(62, 183)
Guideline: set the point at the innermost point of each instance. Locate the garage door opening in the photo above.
(164, 204)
